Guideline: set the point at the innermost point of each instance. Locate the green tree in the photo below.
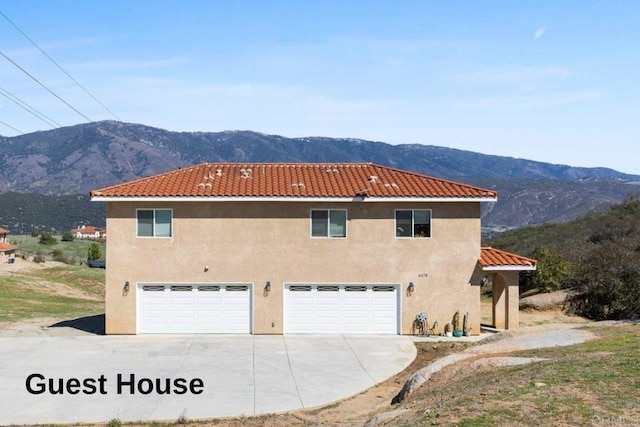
(610, 281)
(67, 236)
(94, 252)
(48, 239)
(552, 273)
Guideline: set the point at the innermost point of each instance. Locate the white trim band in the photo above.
(509, 268)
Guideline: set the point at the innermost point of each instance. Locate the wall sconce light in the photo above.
(267, 288)
(206, 268)
(125, 288)
(410, 288)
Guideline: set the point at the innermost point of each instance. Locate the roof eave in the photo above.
(99, 198)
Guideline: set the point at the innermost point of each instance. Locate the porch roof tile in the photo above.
(492, 258)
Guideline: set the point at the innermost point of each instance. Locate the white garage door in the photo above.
(194, 308)
(341, 309)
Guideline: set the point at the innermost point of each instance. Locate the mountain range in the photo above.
(76, 159)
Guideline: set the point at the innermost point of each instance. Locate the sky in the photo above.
(553, 81)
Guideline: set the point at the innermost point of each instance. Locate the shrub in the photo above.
(34, 233)
(610, 279)
(48, 239)
(67, 236)
(60, 256)
(39, 259)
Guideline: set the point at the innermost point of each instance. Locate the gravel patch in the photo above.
(499, 362)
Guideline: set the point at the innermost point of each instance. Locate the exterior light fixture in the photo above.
(125, 288)
(267, 288)
(410, 288)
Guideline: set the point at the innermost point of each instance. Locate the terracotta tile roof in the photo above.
(293, 180)
(4, 231)
(495, 258)
(5, 248)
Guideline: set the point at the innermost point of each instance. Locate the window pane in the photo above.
(403, 224)
(145, 223)
(421, 223)
(163, 223)
(319, 223)
(338, 223)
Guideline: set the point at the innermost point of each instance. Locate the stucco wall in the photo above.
(258, 242)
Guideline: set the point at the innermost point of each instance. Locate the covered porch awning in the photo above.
(504, 268)
(492, 259)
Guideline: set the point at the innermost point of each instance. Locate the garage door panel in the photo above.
(344, 309)
(194, 308)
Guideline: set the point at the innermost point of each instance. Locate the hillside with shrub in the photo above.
(597, 256)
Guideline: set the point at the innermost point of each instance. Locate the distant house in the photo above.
(7, 251)
(89, 232)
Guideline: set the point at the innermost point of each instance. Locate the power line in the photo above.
(9, 126)
(11, 97)
(45, 87)
(58, 65)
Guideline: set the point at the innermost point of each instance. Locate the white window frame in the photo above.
(154, 223)
(395, 223)
(328, 236)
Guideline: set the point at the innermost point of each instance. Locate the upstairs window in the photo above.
(413, 223)
(154, 222)
(329, 223)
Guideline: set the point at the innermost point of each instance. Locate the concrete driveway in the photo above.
(240, 375)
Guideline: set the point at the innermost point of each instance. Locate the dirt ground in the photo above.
(20, 265)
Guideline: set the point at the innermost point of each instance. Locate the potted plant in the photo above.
(466, 325)
(447, 330)
(457, 325)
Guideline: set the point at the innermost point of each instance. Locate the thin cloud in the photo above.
(529, 102)
(539, 33)
(512, 74)
(131, 64)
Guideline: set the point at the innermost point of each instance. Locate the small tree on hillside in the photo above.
(552, 272)
(94, 252)
(67, 236)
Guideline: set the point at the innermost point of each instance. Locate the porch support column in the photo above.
(506, 296)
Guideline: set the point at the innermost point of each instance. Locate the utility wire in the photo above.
(11, 97)
(58, 65)
(9, 126)
(44, 86)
